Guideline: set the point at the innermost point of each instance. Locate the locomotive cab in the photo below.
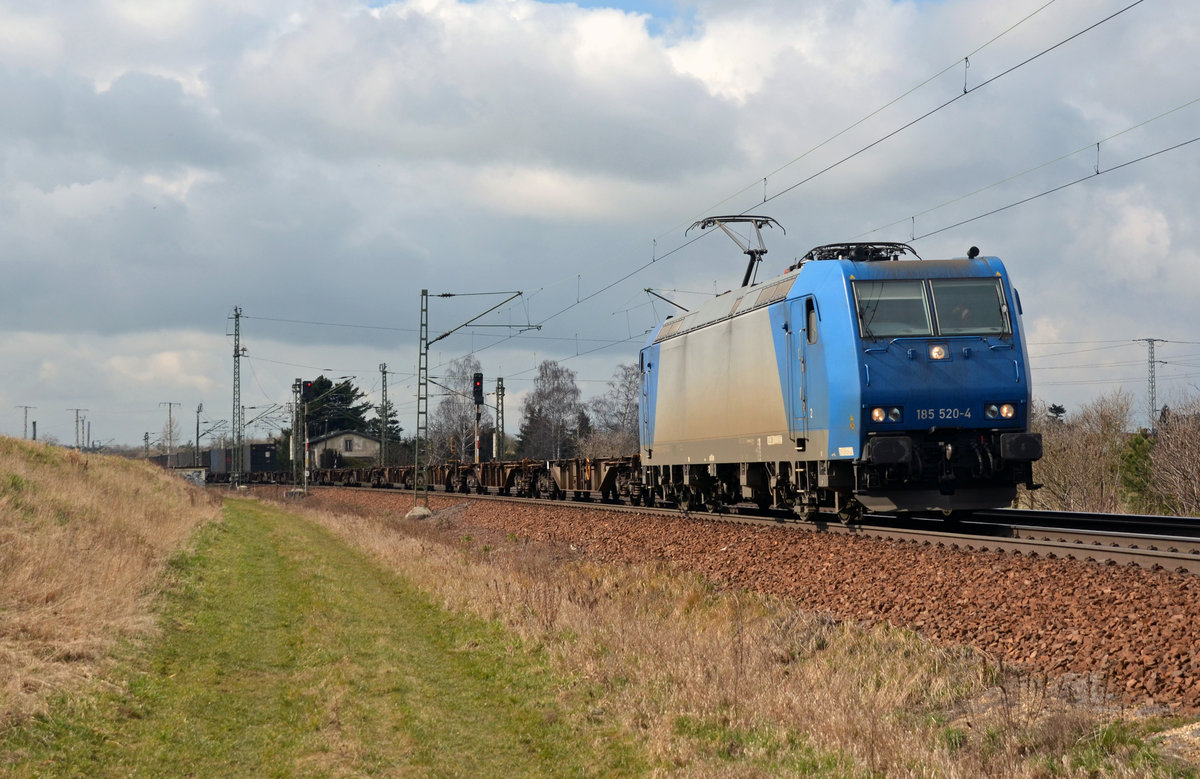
(945, 387)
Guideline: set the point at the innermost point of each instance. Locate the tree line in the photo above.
(1091, 461)
(552, 423)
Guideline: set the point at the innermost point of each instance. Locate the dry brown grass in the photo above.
(715, 681)
(84, 541)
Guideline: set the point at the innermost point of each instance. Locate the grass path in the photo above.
(285, 652)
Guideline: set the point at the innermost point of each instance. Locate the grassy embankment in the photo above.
(718, 682)
(336, 643)
(83, 544)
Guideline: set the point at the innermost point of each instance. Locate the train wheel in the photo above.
(807, 512)
(544, 486)
(683, 498)
(850, 514)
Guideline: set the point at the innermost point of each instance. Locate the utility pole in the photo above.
(25, 433)
(498, 434)
(296, 451)
(199, 408)
(171, 429)
(77, 410)
(1152, 390)
(146, 445)
(383, 411)
(420, 486)
(235, 474)
(420, 483)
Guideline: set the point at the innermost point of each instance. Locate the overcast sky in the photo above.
(322, 162)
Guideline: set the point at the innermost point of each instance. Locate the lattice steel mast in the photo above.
(236, 467)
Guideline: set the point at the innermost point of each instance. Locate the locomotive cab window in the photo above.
(810, 320)
(892, 309)
(970, 307)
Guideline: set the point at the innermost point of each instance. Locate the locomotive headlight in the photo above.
(999, 410)
(938, 351)
(893, 414)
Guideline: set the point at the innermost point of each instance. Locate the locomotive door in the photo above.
(800, 314)
(644, 401)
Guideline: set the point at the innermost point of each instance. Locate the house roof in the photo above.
(341, 434)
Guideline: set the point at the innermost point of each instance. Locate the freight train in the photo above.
(862, 379)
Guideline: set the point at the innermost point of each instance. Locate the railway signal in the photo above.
(477, 383)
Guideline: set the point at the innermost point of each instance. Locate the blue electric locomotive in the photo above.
(860, 379)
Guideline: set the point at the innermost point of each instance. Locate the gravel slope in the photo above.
(1137, 629)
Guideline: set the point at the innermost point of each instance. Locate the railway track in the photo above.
(1168, 543)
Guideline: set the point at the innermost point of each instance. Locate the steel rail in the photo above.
(996, 531)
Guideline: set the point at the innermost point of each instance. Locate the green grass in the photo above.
(286, 653)
(773, 752)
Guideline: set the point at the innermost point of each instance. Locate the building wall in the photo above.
(347, 445)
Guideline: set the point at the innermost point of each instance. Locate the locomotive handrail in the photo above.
(888, 345)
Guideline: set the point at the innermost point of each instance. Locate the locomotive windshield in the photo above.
(901, 308)
(892, 309)
(969, 306)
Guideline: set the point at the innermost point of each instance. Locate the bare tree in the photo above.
(1175, 458)
(615, 416)
(551, 413)
(452, 425)
(1080, 469)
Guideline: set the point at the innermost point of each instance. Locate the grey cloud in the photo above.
(409, 87)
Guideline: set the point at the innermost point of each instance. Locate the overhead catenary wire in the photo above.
(331, 324)
(1059, 188)
(655, 257)
(966, 57)
(953, 100)
(969, 91)
(1033, 169)
(580, 298)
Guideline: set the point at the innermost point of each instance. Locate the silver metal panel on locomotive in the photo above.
(856, 381)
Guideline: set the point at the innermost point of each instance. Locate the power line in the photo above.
(331, 324)
(1058, 188)
(1087, 147)
(966, 91)
(953, 100)
(872, 114)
